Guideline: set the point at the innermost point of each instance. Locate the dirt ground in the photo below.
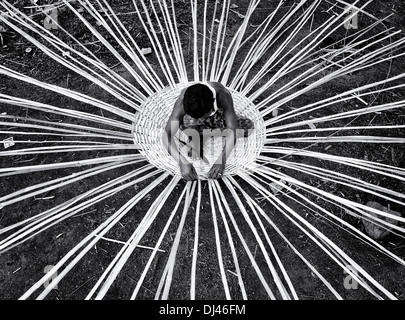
(23, 265)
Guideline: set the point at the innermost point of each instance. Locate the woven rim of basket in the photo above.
(148, 128)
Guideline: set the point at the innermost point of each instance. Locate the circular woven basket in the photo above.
(148, 128)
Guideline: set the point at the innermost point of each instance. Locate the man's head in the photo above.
(198, 101)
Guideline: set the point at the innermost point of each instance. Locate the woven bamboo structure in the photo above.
(148, 128)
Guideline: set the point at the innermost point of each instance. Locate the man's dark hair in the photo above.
(198, 100)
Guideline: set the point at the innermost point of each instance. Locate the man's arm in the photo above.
(226, 102)
(172, 126)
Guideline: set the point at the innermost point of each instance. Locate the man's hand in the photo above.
(216, 171)
(188, 172)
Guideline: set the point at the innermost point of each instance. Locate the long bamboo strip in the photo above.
(106, 43)
(68, 148)
(79, 163)
(78, 128)
(123, 255)
(361, 209)
(379, 168)
(172, 257)
(77, 66)
(23, 103)
(268, 172)
(258, 50)
(168, 44)
(273, 250)
(175, 43)
(158, 243)
(219, 42)
(91, 239)
(195, 247)
(346, 96)
(209, 54)
(89, 54)
(216, 189)
(151, 32)
(336, 129)
(62, 211)
(52, 128)
(57, 183)
(252, 203)
(352, 67)
(69, 93)
(276, 277)
(46, 134)
(291, 215)
(218, 241)
(319, 37)
(127, 42)
(342, 179)
(247, 250)
(339, 139)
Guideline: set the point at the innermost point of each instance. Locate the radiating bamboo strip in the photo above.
(77, 66)
(47, 186)
(314, 233)
(172, 257)
(346, 96)
(271, 174)
(248, 252)
(276, 277)
(111, 273)
(67, 148)
(69, 93)
(342, 179)
(161, 237)
(74, 127)
(155, 42)
(217, 191)
(195, 247)
(23, 103)
(379, 168)
(273, 250)
(91, 239)
(218, 241)
(78, 163)
(274, 226)
(50, 217)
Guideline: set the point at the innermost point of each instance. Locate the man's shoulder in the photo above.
(178, 110)
(220, 89)
(217, 85)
